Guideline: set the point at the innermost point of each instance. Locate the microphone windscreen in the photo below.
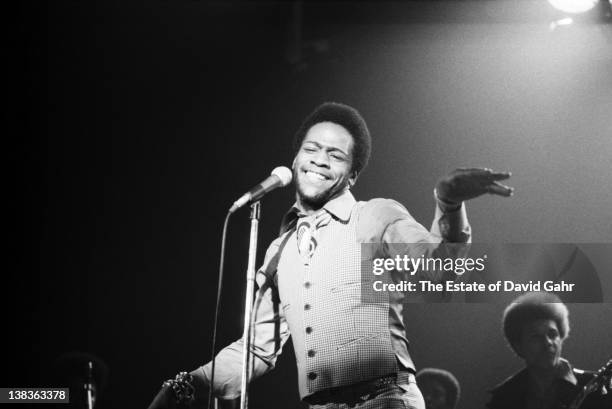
(284, 174)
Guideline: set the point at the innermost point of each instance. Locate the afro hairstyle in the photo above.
(347, 117)
(531, 307)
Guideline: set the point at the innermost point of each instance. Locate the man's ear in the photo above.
(353, 178)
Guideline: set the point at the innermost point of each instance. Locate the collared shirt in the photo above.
(521, 391)
(537, 398)
(339, 338)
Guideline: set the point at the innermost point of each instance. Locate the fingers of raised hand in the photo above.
(499, 175)
(473, 182)
(484, 172)
(497, 188)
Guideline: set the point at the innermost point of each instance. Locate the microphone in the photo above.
(280, 177)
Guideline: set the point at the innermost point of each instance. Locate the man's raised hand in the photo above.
(465, 184)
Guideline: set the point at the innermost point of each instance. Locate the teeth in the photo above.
(315, 175)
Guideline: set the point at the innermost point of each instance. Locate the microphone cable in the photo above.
(218, 302)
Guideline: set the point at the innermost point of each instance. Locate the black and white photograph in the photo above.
(309, 204)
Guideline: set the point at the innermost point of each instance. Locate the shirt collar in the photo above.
(340, 207)
(563, 372)
(566, 372)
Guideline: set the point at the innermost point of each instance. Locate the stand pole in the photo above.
(89, 385)
(248, 307)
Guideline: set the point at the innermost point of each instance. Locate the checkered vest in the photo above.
(338, 339)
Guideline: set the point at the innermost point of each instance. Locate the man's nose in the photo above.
(321, 159)
(547, 342)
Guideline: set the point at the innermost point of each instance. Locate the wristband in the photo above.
(182, 386)
(445, 205)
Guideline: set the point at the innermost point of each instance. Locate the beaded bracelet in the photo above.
(182, 386)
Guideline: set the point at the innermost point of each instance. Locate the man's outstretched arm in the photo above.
(450, 229)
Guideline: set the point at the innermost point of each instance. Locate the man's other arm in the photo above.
(270, 334)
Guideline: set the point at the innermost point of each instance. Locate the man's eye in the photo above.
(309, 149)
(338, 157)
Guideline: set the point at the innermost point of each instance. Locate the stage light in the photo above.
(573, 6)
(561, 22)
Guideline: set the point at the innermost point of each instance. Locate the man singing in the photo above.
(349, 352)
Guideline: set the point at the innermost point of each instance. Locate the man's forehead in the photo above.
(329, 133)
(543, 324)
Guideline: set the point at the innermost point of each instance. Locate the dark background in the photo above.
(133, 125)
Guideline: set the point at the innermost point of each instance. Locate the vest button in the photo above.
(308, 330)
(306, 307)
(312, 376)
(311, 353)
(307, 284)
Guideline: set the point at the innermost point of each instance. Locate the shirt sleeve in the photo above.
(401, 235)
(270, 334)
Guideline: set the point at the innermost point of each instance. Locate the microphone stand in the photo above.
(89, 385)
(248, 307)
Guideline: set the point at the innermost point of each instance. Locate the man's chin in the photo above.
(313, 199)
(547, 365)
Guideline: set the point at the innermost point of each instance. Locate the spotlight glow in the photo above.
(562, 22)
(565, 21)
(573, 6)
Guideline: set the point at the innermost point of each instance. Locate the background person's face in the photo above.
(322, 166)
(540, 344)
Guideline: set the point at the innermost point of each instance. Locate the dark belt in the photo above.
(353, 393)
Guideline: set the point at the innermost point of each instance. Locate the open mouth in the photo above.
(315, 176)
